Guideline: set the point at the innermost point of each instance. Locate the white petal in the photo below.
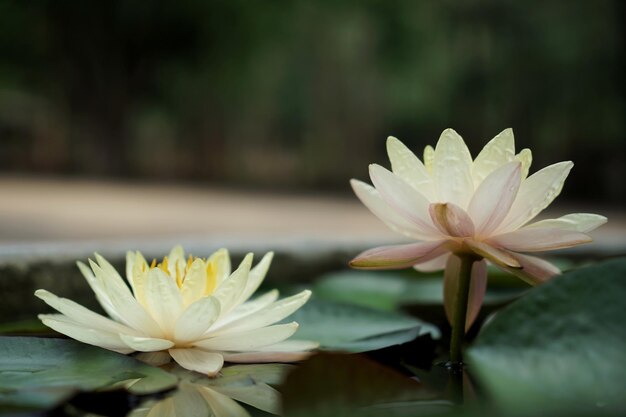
(164, 408)
(497, 152)
(196, 281)
(451, 220)
(83, 315)
(198, 360)
(146, 344)
(267, 315)
(229, 292)
(537, 239)
(250, 339)
(452, 169)
(127, 309)
(409, 168)
(130, 263)
(113, 276)
(220, 262)
(246, 309)
(433, 265)
(408, 202)
(197, 319)
(429, 159)
(577, 222)
(175, 260)
(535, 194)
(136, 267)
(163, 300)
(493, 198)
(221, 405)
(533, 270)
(256, 276)
(68, 327)
(371, 198)
(98, 288)
(140, 280)
(399, 256)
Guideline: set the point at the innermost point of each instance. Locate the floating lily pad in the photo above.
(51, 367)
(354, 328)
(561, 347)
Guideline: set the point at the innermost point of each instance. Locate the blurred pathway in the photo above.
(53, 210)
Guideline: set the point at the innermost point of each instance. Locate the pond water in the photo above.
(558, 349)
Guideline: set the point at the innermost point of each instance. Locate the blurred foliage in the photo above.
(303, 93)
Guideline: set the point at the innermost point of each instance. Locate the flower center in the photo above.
(193, 269)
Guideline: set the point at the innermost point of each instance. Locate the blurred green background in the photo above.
(302, 94)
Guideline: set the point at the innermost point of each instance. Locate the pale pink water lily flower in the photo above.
(455, 205)
(193, 309)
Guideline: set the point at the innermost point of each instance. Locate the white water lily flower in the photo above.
(455, 205)
(194, 309)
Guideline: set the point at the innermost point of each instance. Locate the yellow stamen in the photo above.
(211, 278)
(164, 265)
(179, 278)
(153, 264)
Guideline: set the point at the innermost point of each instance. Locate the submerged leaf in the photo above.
(35, 363)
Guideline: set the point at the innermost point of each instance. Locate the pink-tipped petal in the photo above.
(493, 198)
(371, 198)
(539, 239)
(478, 286)
(491, 253)
(399, 256)
(533, 270)
(433, 265)
(408, 202)
(535, 194)
(451, 220)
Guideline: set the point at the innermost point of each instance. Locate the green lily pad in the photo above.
(33, 399)
(31, 363)
(352, 328)
(561, 347)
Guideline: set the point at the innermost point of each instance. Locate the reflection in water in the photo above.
(200, 396)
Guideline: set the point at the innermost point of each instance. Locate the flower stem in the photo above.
(460, 312)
